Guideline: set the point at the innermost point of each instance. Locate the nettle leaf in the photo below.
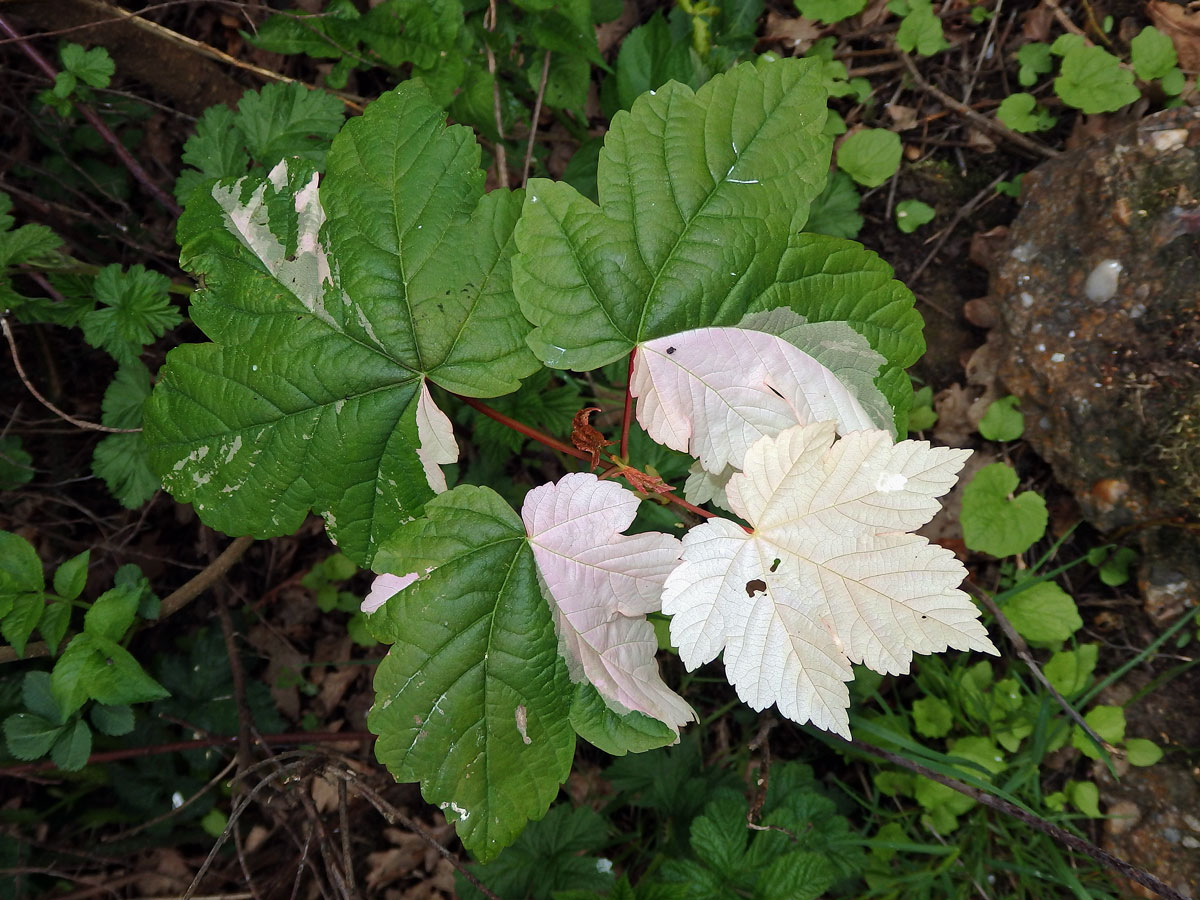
(828, 577)
(601, 584)
(326, 333)
(473, 698)
(699, 192)
(713, 392)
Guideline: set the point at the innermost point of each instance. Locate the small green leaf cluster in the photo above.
(326, 580)
(92, 665)
(1090, 79)
(800, 848)
(81, 70)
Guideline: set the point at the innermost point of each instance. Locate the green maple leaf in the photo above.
(324, 332)
(698, 193)
(472, 699)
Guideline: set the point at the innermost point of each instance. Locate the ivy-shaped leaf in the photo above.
(699, 193)
(325, 331)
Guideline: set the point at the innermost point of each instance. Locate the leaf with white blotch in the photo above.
(601, 584)
(828, 577)
(699, 192)
(713, 392)
(473, 698)
(828, 279)
(330, 309)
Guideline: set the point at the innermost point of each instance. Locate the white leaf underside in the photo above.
(713, 392)
(829, 575)
(600, 584)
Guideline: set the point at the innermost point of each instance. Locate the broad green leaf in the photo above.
(416, 31)
(323, 336)
(1034, 60)
(1044, 614)
(830, 11)
(650, 57)
(30, 737)
(73, 747)
(613, 732)
(38, 697)
(912, 214)
(1003, 421)
(53, 625)
(71, 576)
(22, 617)
(1141, 752)
(932, 717)
(870, 156)
(1070, 671)
(1093, 81)
(134, 310)
(827, 279)
(473, 699)
(1152, 53)
(995, 522)
(698, 193)
(112, 720)
(288, 120)
(1085, 796)
(20, 568)
(921, 30)
(1109, 724)
(94, 67)
(1021, 112)
(835, 210)
(216, 150)
(112, 614)
(95, 667)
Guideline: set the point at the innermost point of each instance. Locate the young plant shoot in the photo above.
(349, 313)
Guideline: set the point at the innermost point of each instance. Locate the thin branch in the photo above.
(489, 24)
(522, 428)
(394, 817)
(1061, 835)
(533, 123)
(997, 128)
(961, 213)
(627, 415)
(134, 167)
(287, 739)
(37, 395)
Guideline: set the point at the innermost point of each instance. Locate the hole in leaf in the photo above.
(775, 392)
(670, 350)
(755, 586)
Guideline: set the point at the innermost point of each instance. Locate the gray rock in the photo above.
(1098, 298)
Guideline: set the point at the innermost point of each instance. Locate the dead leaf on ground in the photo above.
(952, 427)
(1035, 24)
(609, 34)
(1182, 26)
(324, 795)
(903, 117)
(792, 33)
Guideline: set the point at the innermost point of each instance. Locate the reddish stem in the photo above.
(627, 416)
(522, 428)
(134, 167)
(274, 740)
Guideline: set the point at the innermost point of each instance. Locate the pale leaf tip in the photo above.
(384, 588)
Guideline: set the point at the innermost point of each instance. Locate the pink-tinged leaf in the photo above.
(436, 435)
(384, 588)
(828, 576)
(713, 392)
(600, 584)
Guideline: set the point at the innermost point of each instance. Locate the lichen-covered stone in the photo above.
(1098, 294)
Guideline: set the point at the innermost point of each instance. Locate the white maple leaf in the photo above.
(713, 392)
(828, 577)
(601, 584)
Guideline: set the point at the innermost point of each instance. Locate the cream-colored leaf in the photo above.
(828, 577)
(435, 435)
(600, 584)
(713, 392)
